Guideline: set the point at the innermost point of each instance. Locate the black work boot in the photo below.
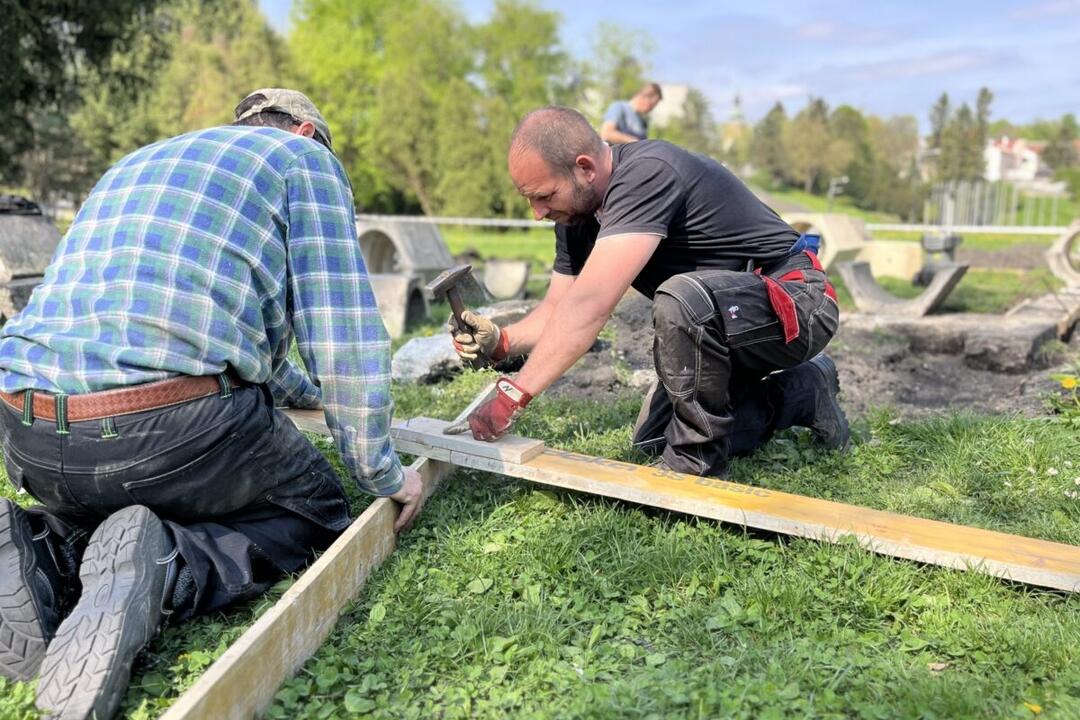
(806, 395)
(124, 573)
(34, 594)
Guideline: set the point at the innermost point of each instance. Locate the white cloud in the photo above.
(1045, 9)
(945, 62)
(842, 33)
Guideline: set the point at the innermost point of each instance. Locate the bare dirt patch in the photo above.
(876, 370)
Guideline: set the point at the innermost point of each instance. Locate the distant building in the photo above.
(1014, 160)
(1020, 162)
(736, 130)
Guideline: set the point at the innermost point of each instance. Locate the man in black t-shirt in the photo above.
(741, 311)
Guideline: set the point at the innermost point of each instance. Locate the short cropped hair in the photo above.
(652, 88)
(558, 135)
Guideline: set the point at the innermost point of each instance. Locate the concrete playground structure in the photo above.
(401, 256)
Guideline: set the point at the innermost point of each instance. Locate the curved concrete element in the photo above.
(1064, 255)
(401, 300)
(506, 279)
(870, 297)
(27, 242)
(408, 246)
(842, 236)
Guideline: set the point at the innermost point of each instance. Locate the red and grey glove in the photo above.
(491, 420)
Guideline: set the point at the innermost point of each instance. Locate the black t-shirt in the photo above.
(706, 217)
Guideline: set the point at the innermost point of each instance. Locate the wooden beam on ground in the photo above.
(1037, 562)
(242, 682)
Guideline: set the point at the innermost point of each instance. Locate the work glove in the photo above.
(491, 420)
(480, 337)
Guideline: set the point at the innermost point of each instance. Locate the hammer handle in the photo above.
(456, 305)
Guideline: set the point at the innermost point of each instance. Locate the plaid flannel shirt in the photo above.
(213, 250)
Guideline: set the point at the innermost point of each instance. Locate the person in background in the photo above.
(626, 121)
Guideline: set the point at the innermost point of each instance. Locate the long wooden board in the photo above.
(243, 681)
(1038, 562)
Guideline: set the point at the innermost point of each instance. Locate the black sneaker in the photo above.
(830, 425)
(87, 667)
(32, 594)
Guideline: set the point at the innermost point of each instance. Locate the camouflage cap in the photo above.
(292, 102)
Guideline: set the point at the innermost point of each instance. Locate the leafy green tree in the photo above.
(190, 73)
(695, 128)
(337, 47)
(522, 67)
(848, 124)
(813, 154)
(767, 150)
(425, 53)
(961, 150)
(982, 115)
(939, 119)
(466, 170)
(1061, 152)
(619, 62)
(48, 45)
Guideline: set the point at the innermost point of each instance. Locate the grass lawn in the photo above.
(510, 599)
(841, 204)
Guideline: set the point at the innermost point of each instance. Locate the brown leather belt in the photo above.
(125, 400)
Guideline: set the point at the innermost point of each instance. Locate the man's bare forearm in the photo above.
(525, 333)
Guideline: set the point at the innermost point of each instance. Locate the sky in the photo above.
(886, 57)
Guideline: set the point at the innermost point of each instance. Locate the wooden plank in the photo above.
(509, 448)
(1038, 562)
(243, 681)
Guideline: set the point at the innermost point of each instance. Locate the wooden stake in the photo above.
(1038, 562)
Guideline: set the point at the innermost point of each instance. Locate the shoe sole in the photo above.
(87, 667)
(23, 636)
(832, 379)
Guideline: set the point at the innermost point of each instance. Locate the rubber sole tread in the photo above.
(24, 626)
(87, 667)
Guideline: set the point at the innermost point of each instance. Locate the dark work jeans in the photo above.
(244, 494)
(716, 340)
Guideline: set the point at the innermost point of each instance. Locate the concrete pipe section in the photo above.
(401, 256)
(870, 297)
(27, 242)
(1064, 256)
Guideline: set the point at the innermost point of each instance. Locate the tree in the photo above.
(695, 128)
(1061, 152)
(190, 73)
(47, 48)
(961, 150)
(767, 146)
(848, 124)
(619, 62)
(982, 115)
(812, 153)
(424, 54)
(522, 67)
(939, 119)
(465, 169)
(338, 49)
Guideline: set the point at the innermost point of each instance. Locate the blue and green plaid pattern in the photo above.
(211, 250)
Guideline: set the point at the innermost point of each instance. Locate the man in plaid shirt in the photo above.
(139, 387)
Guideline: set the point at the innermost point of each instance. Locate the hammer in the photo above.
(446, 283)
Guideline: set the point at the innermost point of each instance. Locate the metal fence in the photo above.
(872, 227)
(989, 203)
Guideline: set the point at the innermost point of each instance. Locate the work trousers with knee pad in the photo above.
(243, 494)
(718, 337)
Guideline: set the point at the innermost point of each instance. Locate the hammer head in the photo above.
(448, 279)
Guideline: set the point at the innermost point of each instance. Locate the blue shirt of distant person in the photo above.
(626, 120)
